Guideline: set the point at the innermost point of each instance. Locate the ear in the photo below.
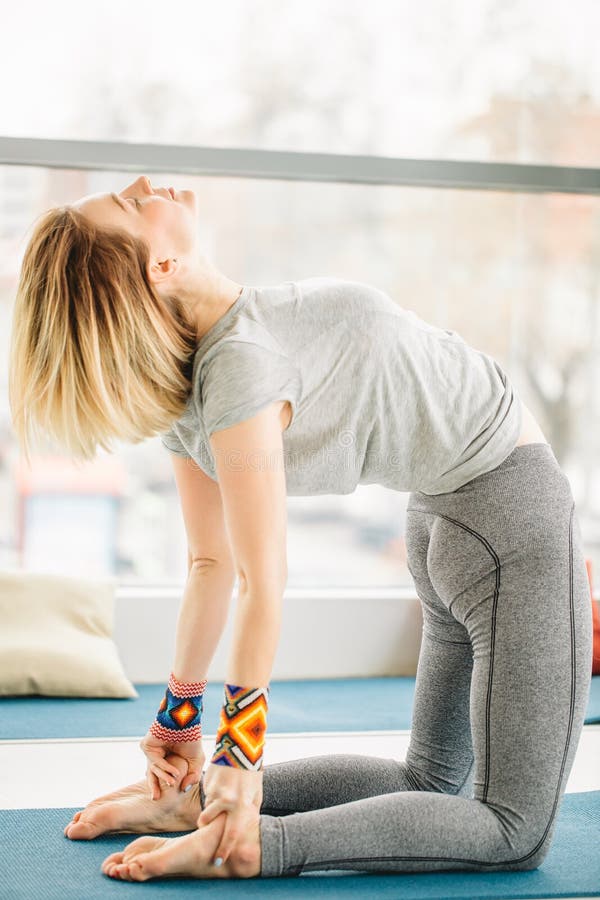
(161, 271)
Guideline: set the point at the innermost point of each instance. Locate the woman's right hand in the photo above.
(159, 769)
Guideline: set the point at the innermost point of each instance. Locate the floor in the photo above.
(70, 773)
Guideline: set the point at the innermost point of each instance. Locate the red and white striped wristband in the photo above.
(180, 712)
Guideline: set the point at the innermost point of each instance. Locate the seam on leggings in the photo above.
(339, 862)
(573, 682)
(488, 700)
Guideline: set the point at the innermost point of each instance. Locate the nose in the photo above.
(141, 184)
(144, 185)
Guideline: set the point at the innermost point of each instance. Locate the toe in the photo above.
(108, 866)
(84, 831)
(114, 859)
(136, 862)
(138, 870)
(150, 865)
(75, 818)
(122, 871)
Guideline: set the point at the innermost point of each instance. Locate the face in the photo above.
(167, 223)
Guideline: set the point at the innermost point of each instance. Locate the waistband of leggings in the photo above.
(521, 457)
(524, 453)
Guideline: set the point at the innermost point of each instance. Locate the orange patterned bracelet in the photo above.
(179, 714)
(242, 727)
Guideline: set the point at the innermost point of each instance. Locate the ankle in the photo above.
(191, 806)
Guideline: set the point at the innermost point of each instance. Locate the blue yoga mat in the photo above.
(346, 704)
(38, 861)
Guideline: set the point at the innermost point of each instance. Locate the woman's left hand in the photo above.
(236, 792)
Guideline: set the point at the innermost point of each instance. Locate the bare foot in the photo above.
(189, 856)
(131, 810)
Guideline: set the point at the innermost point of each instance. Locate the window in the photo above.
(514, 274)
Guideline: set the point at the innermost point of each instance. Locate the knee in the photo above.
(525, 846)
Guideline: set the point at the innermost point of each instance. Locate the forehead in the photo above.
(96, 200)
(103, 209)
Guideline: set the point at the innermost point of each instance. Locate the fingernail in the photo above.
(188, 788)
(218, 861)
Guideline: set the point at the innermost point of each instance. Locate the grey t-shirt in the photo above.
(378, 395)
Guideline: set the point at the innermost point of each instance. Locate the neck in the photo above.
(209, 297)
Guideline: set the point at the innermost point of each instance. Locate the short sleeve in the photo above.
(242, 378)
(172, 443)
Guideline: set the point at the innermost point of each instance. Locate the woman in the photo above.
(123, 328)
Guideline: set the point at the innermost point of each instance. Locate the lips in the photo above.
(172, 192)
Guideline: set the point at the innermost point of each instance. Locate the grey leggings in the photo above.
(502, 685)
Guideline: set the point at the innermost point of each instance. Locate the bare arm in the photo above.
(211, 572)
(202, 617)
(249, 463)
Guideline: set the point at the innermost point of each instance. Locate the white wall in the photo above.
(325, 633)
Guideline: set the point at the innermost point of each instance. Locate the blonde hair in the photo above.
(95, 352)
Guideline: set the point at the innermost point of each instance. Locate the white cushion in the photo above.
(56, 637)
